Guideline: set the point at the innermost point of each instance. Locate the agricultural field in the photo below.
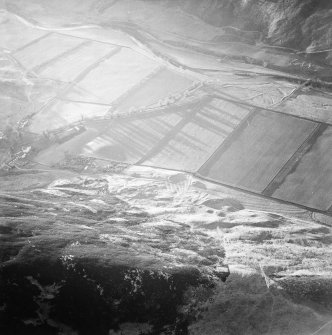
(44, 51)
(113, 77)
(14, 34)
(116, 140)
(162, 84)
(313, 104)
(130, 140)
(256, 155)
(310, 183)
(63, 113)
(198, 137)
(67, 68)
(169, 140)
(163, 169)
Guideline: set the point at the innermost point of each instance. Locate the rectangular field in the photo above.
(257, 153)
(69, 67)
(113, 77)
(197, 139)
(161, 84)
(310, 183)
(14, 34)
(64, 113)
(46, 50)
(316, 106)
(129, 140)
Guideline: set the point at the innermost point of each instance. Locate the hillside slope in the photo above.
(299, 24)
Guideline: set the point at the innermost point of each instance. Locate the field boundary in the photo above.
(229, 139)
(291, 164)
(244, 103)
(238, 189)
(117, 102)
(62, 94)
(260, 195)
(182, 123)
(54, 59)
(36, 40)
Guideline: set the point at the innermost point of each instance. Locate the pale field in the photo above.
(162, 84)
(316, 106)
(14, 35)
(46, 50)
(167, 140)
(118, 140)
(310, 184)
(201, 134)
(113, 77)
(130, 140)
(63, 113)
(69, 67)
(258, 153)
